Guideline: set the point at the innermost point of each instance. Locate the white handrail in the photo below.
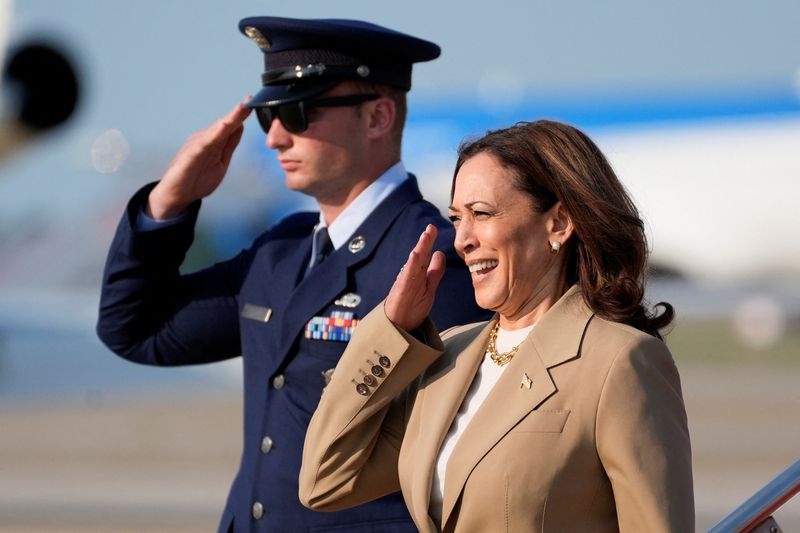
(763, 503)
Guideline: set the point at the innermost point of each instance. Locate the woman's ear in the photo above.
(559, 224)
(380, 116)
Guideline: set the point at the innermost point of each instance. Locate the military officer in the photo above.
(332, 105)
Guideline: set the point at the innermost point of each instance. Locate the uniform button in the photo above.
(362, 389)
(266, 445)
(369, 380)
(377, 371)
(278, 381)
(258, 510)
(384, 361)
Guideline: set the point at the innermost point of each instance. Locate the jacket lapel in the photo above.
(328, 280)
(553, 341)
(291, 266)
(445, 384)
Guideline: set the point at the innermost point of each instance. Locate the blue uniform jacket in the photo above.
(258, 305)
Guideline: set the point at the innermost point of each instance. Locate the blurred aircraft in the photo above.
(33, 65)
(117, 88)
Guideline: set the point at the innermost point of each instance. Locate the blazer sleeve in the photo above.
(353, 442)
(643, 440)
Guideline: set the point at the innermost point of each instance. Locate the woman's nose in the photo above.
(465, 238)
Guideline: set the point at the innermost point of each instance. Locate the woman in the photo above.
(564, 412)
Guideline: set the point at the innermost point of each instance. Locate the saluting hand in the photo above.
(411, 297)
(199, 166)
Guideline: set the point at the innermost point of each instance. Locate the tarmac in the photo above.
(165, 463)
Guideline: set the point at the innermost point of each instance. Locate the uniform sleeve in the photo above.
(353, 442)
(643, 440)
(150, 313)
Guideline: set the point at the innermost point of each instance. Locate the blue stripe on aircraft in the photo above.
(604, 111)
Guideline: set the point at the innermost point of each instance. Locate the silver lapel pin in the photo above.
(357, 244)
(349, 300)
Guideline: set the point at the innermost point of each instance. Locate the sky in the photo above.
(547, 47)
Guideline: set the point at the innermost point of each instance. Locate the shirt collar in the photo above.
(359, 209)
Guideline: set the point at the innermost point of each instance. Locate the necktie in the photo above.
(322, 246)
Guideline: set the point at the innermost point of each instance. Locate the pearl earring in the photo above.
(555, 246)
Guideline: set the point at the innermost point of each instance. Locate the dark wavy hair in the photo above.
(607, 253)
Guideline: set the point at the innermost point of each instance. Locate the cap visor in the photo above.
(281, 94)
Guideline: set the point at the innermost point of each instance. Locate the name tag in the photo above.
(256, 312)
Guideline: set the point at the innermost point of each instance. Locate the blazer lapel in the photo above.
(553, 341)
(445, 384)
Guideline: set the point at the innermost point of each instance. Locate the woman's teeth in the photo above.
(482, 265)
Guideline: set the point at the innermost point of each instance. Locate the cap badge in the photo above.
(357, 244)
(349, 300)
(362, 71)
(308, 70)
(257, 37)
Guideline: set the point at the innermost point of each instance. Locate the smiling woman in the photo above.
(564, 412)
(596, 235)
(505, 241)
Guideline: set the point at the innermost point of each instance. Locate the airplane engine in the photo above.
(41, 90)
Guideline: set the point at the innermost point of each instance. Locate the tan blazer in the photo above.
(598, 442)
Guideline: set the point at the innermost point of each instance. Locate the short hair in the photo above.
(398, 96)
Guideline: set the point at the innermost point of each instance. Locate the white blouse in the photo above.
(486, 377)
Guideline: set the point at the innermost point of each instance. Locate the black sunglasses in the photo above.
(294, 115)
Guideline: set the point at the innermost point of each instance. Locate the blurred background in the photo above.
(697, 105)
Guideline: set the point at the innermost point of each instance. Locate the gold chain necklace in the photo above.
(500, 359)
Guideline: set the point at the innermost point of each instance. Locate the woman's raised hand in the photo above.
(411, 297)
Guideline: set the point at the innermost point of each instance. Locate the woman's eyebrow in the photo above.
(470, 205)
